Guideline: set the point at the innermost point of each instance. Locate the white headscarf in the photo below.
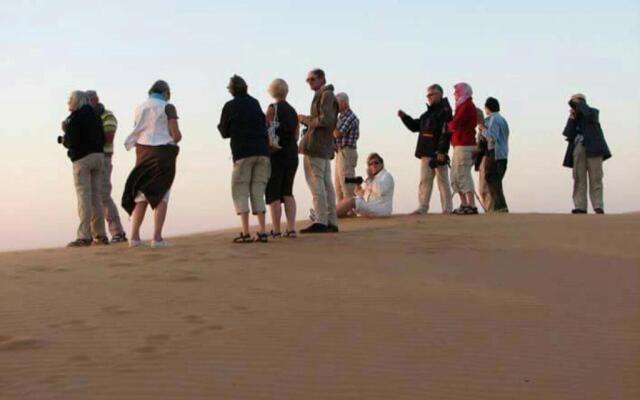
(465, 92)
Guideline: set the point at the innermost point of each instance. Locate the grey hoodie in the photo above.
(318, 141)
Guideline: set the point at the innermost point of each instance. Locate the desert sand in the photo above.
(435, 307)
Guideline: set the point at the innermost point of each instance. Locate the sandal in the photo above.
(471, 210)
(276, 235)
(462, 210)
(291, 234)
(243, 238)
(261, 238)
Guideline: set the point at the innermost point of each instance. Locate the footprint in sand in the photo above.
(210, 328)
(120, 264)
(153, 342)
(79, 358)
(193, 319)
(8, 343)
(115, 310)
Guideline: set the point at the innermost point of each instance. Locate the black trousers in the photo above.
(495, 174)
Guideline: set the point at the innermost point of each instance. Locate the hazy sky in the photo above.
(384, 54)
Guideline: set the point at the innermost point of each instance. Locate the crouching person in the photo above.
(374, 196)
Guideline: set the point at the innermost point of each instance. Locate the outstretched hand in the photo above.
(401, 114)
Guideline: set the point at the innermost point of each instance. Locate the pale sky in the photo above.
(384, 54)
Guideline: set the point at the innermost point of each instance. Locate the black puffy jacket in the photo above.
(83, 133)
(434, 136)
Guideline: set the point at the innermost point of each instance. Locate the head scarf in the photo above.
(465, 92)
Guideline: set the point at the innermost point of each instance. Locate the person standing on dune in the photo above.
(109, 126)
(317, 147)
(432, 149)
(84, 138)
(586, 150)
(463, 139)
(496, 133)
(243, 122)
(346, 137)
(155, 136)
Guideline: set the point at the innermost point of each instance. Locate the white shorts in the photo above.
(141, 198)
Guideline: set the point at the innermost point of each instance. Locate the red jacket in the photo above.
(463, 125)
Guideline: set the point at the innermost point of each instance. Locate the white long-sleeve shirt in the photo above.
(377, 200)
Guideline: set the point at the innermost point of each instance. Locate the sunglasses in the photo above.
(311, 79)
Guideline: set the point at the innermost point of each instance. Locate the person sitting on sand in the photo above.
(155, 136)
(243, 122)
(84, 138)
(374, 198)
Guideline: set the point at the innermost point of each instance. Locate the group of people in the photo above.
(265, 148)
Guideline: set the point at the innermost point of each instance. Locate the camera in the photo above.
(357, 180)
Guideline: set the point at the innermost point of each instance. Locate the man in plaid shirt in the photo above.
(346, 135)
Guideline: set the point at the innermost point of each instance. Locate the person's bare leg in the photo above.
(471, 200)
(345, 206)
(158, 220)
(261, 222)
(290, 207)
(463, 199)
(136, 219)
(244, 220)
(276, 215)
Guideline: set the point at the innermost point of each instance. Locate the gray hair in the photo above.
(343, 96)
(79, 99)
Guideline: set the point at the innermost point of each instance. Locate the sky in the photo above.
(530, 55)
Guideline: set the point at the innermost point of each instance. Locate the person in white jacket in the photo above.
(374, 197)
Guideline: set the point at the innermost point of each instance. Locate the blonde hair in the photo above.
(279, 89)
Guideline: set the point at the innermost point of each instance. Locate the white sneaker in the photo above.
(135, 243)
(160, 245)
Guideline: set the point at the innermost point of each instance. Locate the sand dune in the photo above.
(489, 307)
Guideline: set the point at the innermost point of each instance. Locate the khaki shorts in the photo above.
(461, 165)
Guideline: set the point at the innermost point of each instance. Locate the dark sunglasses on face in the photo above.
(430, 95)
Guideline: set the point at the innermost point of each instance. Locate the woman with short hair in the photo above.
(84, 138)
(155, 136)
(283, 118)
(243, 122)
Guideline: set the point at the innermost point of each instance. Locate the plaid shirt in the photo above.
(349, 126)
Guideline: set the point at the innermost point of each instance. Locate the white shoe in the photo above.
(160, 245)
(135, 243)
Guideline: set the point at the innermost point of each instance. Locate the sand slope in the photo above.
(488, 307)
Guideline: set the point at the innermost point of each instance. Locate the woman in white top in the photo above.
(374, 197)
(155, 137)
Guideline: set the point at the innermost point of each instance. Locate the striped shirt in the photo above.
(349, 126)
(109, 125)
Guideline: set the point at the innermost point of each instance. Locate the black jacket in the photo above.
(434, 136)
(83, 133)
(243, 121)
(587, 123)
